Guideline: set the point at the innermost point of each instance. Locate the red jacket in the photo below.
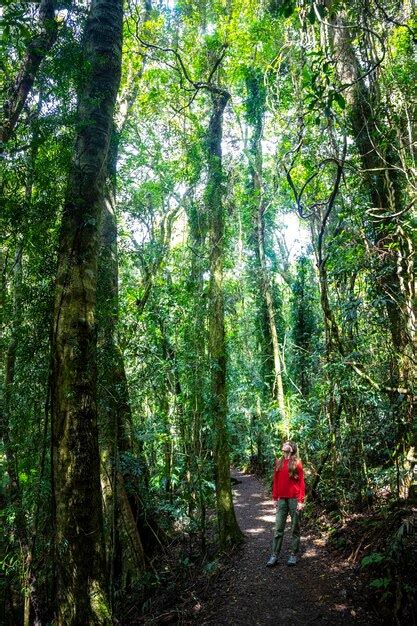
(284, 486)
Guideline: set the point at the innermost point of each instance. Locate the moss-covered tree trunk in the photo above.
(229, 531)
(124, 547)
(255, 114)
(197, 223)
(387, 188)
(382, 176)
(125, 522)
(81, 590)
(266, 291)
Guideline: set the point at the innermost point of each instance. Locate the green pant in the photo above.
(285, 506)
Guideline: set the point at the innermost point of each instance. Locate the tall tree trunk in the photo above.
(80, 580)
(387, 192)
(229, 531)
(197, 222)
(124, 547)
(124, 520)
(255, 114)
(278, 387)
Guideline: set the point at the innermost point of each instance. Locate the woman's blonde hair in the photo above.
(293, 463)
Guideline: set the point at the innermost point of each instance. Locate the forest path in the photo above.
(315, 591)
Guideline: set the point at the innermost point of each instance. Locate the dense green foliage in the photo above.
(313, 200)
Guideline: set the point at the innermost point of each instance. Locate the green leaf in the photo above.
(340, 100)
(288, 9)
(375, 557)
(380, 583)
(311, 16)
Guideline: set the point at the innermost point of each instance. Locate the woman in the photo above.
(288, 490)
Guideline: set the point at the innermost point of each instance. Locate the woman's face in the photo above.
(286, 447)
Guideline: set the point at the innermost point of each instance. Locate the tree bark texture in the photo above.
(80, 581)
(229, 531)
(125, 553)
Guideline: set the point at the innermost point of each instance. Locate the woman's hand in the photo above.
(300, 506)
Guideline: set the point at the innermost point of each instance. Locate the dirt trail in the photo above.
(315, 591)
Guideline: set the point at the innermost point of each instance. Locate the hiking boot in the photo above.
(272, 560)
(292, 560)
